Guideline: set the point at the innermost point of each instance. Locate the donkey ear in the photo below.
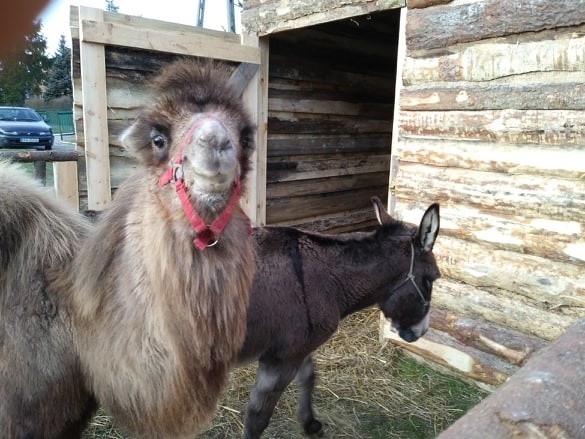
(429, 228)
(381, 212)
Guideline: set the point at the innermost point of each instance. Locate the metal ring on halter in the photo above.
(213, 243)
(210, 234)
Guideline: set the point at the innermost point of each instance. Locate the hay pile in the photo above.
(363, 390)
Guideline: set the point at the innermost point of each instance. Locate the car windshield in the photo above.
(19, 115)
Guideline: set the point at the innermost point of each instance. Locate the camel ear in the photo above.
(381, 212)
(429, 228)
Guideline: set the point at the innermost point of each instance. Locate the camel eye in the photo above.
(159, 141)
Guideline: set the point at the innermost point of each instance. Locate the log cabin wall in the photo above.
(330, 109)
(491, 125)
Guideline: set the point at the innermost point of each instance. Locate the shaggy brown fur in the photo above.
(42, 394)
(158, 322)
(137, 316)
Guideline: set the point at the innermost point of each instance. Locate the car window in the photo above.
(19, 115)
(26, 115)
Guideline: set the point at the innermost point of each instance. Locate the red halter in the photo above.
(207, 234)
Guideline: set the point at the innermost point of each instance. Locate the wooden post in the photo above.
(66, 184)
(256, 98)
(395, 159)
(95, 117)
(544, 399)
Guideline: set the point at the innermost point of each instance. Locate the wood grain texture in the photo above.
(446, 25)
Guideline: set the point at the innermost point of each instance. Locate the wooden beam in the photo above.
(266, 18)
(191, 44)
(95, 115)
(399, 85)
(552, 52)
(66, 183)
(544, 399)
(446, 25)
(255, 95)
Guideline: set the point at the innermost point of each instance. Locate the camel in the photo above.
(153, 301)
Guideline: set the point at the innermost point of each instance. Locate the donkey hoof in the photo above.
(314, 427)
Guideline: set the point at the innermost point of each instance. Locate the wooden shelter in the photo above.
(477, 104)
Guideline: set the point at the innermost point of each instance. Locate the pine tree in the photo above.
(59, 83)
(23, 69)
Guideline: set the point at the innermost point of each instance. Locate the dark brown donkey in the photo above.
(305, 283)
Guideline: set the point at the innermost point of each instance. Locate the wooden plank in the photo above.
(544, 127)
(243, 74)
(394, 159)
(183, 43)
(501, 308)
(563, 161)
(564, 240)
(465, 360)
(529, 196)
(508, 58)
(95, 118)
(505, 343)
(311, 144)
(295, 169)
(256, 98)
(544, 399)
(320, 76)
(337, 107)
(473, 96)
(148, 23)
(337, 222)
(295, 123)
(301, 208)
(66, 184)
(264, 18)
(414, 4)
(446, 25)
(299, 188)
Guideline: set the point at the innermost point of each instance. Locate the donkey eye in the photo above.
(159, 141)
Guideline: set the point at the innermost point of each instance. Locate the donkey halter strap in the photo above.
(410, 277)
(207, 235)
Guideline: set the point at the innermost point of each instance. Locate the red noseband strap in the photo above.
(207, 235)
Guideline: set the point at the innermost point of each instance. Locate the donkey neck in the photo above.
(362, 265)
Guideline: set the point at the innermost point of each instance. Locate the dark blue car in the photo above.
(23, 127)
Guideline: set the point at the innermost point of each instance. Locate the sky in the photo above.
(55, 17)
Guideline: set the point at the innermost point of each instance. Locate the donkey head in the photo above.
(197, 123)
(407, 302)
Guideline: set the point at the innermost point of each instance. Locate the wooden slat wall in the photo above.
(491, 126)
(133, 49)
(330, 110)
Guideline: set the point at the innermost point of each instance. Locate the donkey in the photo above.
(148, 314)
(42, 390)
(305, 283)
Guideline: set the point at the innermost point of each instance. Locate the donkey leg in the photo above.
(271, 380)
(306, 381)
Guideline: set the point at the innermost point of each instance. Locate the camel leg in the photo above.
(306, 381)
(271, 380)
